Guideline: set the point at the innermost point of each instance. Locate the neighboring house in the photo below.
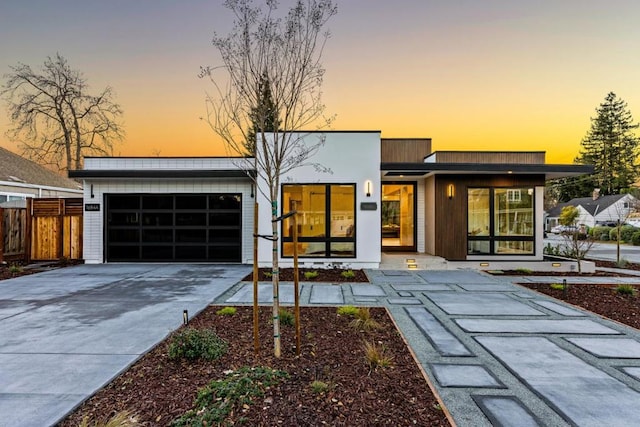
(380, 195)
(21, 179)
(596, 210)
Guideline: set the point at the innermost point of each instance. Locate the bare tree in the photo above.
(54, 117)
(279, 57)
(577, 242)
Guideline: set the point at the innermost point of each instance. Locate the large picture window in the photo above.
(500, 221)
(326, 220)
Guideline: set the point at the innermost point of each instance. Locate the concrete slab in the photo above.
(584, 395)
(536, 326)
(404, 301)
(526, 295)
(454, 276)
(59, 373)
(442, 340)
(368, 291)
(394, 273)
(29, 410)
(326, 294)
(634, 371)
(265, 294)
(487, 287)
(421, 288)
(405, 294)
(480, 303)
(366, 300)
(450, 375)
(504, 411)
(618, 348)
(559, 308)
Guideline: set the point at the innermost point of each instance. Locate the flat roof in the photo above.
(550, 171)
(162, 173)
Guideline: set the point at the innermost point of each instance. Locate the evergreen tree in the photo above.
(611, 146)
(264, 115)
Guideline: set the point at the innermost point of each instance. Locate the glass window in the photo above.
(325, 219)
(513, 210)
(500, 221)
(478, 218)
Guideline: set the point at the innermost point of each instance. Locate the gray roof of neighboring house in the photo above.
(588, 203)
(14, 168)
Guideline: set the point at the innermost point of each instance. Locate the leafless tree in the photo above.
(55, 119)
(279, 56)
(577, 242)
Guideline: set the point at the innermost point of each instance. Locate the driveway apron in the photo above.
(66, 333)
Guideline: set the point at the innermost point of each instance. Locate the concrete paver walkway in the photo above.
(66, 333)
(497, 353)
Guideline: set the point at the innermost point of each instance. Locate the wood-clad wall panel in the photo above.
(394, 150)
(451, 214)
(514, 157)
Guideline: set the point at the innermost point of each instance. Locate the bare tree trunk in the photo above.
(618, 243)
(275, 278)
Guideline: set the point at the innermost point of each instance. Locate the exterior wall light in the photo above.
(484, 264)
(451, 191)
(368, 185)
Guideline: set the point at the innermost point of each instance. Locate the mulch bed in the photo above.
(17, 269)
(597, 273)
(159, 390)
(612, 264)
(333, 275)
(600, 299)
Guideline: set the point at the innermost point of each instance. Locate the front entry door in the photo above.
(398, 216)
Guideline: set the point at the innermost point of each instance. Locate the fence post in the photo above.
(28, 230)
(1, 235)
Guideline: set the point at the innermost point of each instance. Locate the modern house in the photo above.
(372, 195)
(596, 210)
(21, 179)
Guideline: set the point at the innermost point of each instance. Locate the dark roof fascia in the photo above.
(169, 157)
(154, 173)
(468, 168)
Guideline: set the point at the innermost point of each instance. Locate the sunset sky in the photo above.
(471, 74)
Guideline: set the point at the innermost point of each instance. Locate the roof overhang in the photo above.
(164, 173)
(428, 169)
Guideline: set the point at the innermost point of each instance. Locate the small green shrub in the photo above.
(226, 311)
(376, 355)
(557, 286)
(626, 290)
(219, 398)
(121, 419)
(626, 233)
(623, 263)
(347, 310)
(524, 270)
(363, 320)
(613, 234)
(192, 344)
(601, 232)
(319, 387)
(268, 274)
(286, 317)
(15, 269)
(348, 274)
(310, 275)
(635, 238)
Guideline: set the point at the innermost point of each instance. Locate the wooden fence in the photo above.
(51, 229)
(14, 230)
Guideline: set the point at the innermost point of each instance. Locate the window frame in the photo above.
(492, 238)
(327, 239)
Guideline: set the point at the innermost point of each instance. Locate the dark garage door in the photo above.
(174, 227)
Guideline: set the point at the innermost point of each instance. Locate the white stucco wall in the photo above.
(352, 157)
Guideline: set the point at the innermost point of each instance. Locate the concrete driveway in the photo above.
(65, 333)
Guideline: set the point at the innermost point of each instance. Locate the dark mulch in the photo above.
(600, 299)
(612, 264)
(17, 269)
(333, 275)
(159, 390)
(597, 273)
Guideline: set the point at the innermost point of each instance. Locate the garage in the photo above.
(173, 227)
